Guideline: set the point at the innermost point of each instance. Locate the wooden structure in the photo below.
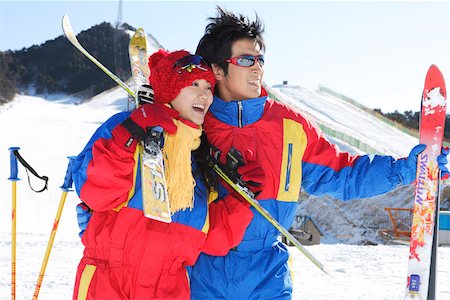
(401, 219)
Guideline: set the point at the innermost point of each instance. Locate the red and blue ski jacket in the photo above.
(293, 153)
(150, 254)
(284, 151)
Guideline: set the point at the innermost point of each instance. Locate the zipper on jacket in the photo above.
(288, 168)
(239, 103)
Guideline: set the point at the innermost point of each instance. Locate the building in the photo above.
(305, 231)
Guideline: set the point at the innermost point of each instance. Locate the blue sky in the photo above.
(376, 52)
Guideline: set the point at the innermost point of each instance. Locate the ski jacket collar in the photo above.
(239, 113)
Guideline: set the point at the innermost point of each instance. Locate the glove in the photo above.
(252, 173)
(145, 116)
(84, 214)
(442, 163)
(407, 167)
(145, 94)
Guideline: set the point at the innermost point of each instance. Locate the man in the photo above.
(282, 151)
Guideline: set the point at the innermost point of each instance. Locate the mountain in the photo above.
(57, 67)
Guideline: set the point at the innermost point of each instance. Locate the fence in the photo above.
(401, 219)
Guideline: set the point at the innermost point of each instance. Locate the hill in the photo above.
(57, 67)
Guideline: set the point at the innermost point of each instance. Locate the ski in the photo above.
(423, 243)
(155, 200)
(240, 189)
(139, 59)
(233, 179)
(68, 32)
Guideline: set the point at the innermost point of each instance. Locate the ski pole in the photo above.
(66, 187)
(13, 177)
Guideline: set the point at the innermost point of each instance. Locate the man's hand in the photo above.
(145, 94)
(252, 173)
(442, 163)
(84, 214)
(407, 167)
(253, 176)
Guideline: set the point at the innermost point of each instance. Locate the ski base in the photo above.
(155, 200)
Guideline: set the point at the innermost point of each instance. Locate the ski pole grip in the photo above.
(68, 180)
(13, 163)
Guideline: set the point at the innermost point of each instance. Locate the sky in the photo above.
(376, 52)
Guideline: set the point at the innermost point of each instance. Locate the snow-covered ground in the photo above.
(349, 119)
(50, 130)
(359, 272)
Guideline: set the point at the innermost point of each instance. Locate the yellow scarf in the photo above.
(178, 166)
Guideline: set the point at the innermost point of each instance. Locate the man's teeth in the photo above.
(256, 82)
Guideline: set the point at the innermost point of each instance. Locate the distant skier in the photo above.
(127, 255)
(282, 151)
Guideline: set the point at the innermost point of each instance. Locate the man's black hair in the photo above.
(223, 31)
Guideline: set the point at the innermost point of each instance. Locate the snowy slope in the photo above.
(347, 118)
(50, 130)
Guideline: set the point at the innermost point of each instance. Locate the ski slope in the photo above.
(348, 119)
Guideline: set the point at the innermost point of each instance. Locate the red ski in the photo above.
(423, 243)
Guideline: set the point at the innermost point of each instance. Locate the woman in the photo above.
(130, 256)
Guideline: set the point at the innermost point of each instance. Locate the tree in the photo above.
(7, 87)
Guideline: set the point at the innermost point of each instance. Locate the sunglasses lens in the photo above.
(261, 60)
(246, 61)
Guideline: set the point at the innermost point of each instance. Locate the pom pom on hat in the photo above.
(156, 57)
(167, 79)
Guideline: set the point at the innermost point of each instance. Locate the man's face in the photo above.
(241, 82)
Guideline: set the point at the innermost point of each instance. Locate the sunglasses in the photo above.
(246, 60)
(191, 62)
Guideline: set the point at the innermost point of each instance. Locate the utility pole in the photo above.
(118, 43)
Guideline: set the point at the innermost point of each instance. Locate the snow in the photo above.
(361, 272)
(49, 130)
(348, 119)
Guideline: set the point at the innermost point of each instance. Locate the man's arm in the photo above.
(326, 170)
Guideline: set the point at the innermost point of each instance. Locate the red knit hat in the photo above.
(172, 71)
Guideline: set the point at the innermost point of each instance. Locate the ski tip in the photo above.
(65, 19)
(435, 79)
(65, 23)
(138, 39)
